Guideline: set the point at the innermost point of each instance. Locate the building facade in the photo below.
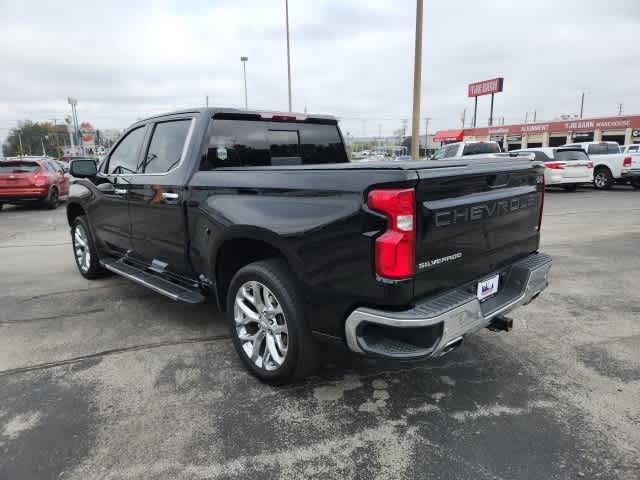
(622, 129)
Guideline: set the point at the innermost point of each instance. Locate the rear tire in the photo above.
(635, 183)
(53, 199)
(84, 250)
(602, 179)
(266, 314)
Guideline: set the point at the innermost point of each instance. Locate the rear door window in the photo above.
(613, 148)
(237, 143)
(166, 147)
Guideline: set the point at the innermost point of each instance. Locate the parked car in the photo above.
(565, 167)
(32, 179)
(264, 214)
(610, 165)
(633, 151)
(463, 149)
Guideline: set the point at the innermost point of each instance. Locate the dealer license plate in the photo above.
(488, 287)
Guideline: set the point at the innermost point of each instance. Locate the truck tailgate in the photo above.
(473, 221)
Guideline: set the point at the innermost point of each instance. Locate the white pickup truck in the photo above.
(610, 164)
(633, 151)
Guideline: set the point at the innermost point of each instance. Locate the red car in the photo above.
(40, 180)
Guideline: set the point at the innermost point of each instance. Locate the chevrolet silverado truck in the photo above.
(263, 215)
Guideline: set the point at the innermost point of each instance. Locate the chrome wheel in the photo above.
(81, 248)
(261, 326)
(600, 180)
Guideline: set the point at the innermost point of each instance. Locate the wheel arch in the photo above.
(603, 166)
(74, 210)
(243, 247)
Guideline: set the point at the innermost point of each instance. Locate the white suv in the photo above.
(565, 167)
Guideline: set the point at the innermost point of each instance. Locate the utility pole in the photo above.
(417, 83)
(619, 109)
(44, 152)
(491, 111)
(535, 115)
(581, 104)
(20, 141)
(379, 136)
(475, 111)
(463, 117)
(286, 6)
(526, 117)
(426, 134)
(244, 69)
(207, 101)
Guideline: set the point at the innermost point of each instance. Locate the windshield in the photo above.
(480, 148)
(19, 167)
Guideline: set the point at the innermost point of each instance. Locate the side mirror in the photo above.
(83, 168)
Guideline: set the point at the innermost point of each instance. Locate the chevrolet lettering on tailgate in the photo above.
(484, 210)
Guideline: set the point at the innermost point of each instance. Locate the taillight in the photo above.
(40, 180)
(395, 248)
(626, 163)
(555, 165)
(590, 165)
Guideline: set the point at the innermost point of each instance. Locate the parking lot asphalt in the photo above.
(105, 379)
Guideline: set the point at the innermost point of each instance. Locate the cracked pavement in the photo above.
(105, 379)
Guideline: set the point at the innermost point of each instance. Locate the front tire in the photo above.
(266, 314)
(602, 179)
(84, 250)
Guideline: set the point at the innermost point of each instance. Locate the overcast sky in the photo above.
(125, 60)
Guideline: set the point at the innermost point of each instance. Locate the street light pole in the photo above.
(244, 69)
(286, 7)
(417, 84)
(581, 104)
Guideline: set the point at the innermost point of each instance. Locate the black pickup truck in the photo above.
(264, 215)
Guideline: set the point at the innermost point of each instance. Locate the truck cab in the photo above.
(465, 149)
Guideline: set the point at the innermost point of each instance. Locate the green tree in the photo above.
(28, 139)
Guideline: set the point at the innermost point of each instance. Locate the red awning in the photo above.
(449, 136)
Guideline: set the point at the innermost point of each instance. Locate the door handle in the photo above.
(169, 197)
(120, 191)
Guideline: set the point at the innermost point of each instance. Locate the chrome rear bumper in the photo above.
(439, 322)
